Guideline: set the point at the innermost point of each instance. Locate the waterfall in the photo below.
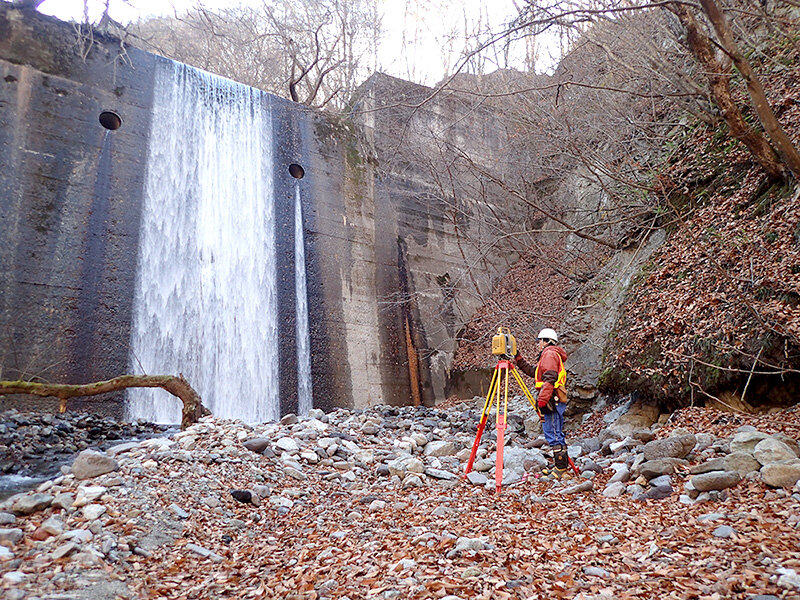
(206, 297)
(304, 394)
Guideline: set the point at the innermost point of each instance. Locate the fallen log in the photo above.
(193, 408)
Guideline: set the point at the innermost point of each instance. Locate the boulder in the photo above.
(715, 464)
(638, 416)
(90, 463)
(31, 503)
(741, 462)
(781, 474)
(440, 448)
(615, 489)
(715, 480)
(671, 447)
(655, 468)
(745, 441)
(287, 444)
(770, 450)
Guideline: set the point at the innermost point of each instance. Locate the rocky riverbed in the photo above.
(363, 504)
(35, 446)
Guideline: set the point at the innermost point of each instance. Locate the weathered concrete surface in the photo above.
(441, 222)
(386, 241)
(70, 193)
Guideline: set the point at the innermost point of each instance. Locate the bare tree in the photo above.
(314, 52)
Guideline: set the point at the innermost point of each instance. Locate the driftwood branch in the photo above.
(193, 408)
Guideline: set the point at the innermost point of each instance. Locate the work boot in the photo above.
(562, 463)
(554, 474)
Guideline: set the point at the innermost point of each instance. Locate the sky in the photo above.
(432, 23)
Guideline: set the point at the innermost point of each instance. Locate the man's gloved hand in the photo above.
(547, 407)
(517, 356)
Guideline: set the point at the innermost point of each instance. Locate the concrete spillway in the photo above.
(206, 296)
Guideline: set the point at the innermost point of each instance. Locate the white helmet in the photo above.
(548, 334)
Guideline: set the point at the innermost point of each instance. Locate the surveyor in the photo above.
(550, 379)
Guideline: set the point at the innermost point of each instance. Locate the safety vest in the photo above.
(561, 380)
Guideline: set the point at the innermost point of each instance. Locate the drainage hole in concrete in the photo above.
(296, 171)
(110, 120)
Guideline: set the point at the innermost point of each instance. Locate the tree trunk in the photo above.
(193, 408)
(783, 145)
(719, 79)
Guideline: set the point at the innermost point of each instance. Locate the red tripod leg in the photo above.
(482, 424)
(474, 452)
(572, 464)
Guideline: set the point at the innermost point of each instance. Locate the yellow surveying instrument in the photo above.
(504, 346)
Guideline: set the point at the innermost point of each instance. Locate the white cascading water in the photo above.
(206, 295)
(305, 400)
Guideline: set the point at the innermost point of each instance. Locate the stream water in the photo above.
(304, 393)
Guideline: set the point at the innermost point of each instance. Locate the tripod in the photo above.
(501, 374)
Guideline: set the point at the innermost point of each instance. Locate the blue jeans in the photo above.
(553, 425)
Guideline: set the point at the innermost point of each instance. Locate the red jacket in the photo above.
(549, 368)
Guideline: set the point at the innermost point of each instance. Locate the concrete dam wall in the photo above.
(158, 219)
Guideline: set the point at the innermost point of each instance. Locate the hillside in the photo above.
(714, 314)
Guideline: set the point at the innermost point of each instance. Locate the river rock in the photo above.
(31, 503)
(671, 447)
(655, 468)
(614, 490)
(93, 511)
(258, 445)
(476, 478)
(87, 494)
(90, 463)
(715, 480)
(781, 474)
(287, 444)
(741, 462)
(440, 448)
(10, 537)
(770, 450)
(622, 473)
(715, 464)
(440, 474)
(746, 441)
